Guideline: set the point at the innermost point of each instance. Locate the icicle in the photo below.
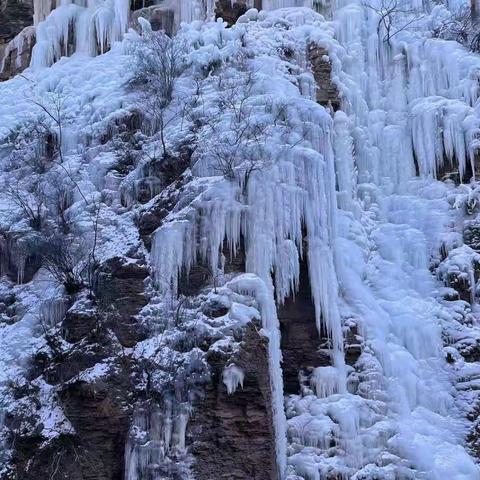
(52, 311)
(325, 381)
(41, 9)
(172, 251)
(150, 438)
(180, 430)
(233, 377)
(21, 263)
(167, 429)
(344, 163)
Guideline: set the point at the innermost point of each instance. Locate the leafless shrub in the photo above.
(30, 146)
(128, 148)
(463, 27)
(54, 109)
(72, 263)
(158, 62)
(44, 201)
(32, 203)
(55, 112)
(237, 146)
(65, 260)
(52, 337)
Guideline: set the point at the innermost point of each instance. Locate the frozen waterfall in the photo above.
(354, 196)
(369, 256)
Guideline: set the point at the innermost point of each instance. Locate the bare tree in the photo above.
(92, 261)
(237, 135)
(48, 129)
(44, 195)
(55, 110)
(72, 263)
(158, 62)
(242, 131)
(390, 13)
(31, 146)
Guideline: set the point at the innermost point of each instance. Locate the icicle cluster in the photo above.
(154, 434)
(90, 28)
(233, 377)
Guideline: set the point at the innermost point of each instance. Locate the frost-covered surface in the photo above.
(341, 190)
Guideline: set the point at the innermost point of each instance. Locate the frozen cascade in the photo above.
(324, 381)
(399, 112)
(91, 26)
(389, 225)
(303, 180)
(344, 194)
(154, 433)
(87, 27)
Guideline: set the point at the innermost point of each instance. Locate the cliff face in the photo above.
(107, 379)
(97, 401)
(15, 19)
(233, 434)
(259, 277)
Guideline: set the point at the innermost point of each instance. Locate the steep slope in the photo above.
(269, 274)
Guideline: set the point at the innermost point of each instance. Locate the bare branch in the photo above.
(388, 13)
